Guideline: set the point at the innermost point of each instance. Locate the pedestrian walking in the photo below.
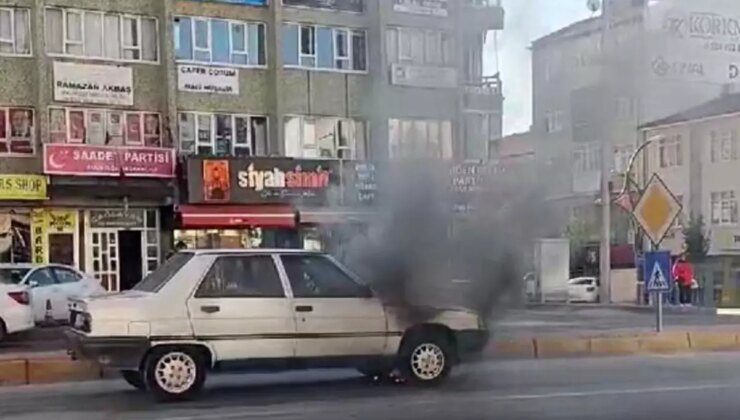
(683, 274)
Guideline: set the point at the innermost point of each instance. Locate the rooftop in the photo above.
(724, 105)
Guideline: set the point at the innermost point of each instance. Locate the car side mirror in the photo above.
(33, 283)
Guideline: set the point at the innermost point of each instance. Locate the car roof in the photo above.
(252, 251)
(19, 265)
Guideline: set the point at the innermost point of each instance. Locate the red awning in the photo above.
(215, 216)
(325, 216)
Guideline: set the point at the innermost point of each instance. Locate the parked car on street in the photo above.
(16, 314)
(583, 289)
(209, 310)
(50, 287)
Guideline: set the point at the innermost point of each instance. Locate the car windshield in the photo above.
(159, 277)
(12, 275)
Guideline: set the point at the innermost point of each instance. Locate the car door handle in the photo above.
(304, 308)
(210, 309)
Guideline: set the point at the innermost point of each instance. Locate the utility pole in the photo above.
(606, 158)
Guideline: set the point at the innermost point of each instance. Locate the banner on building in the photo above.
(23, 187)
(117, 218)
(422, 7)
(423, 76)
(203, 79)
(694, 41)
(93, 84)
(342, 5)
(142, 162)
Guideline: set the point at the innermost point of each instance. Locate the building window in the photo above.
(724, 208)
(418, 46)
(723, 145)
(554, 121)
(420, 139)
(323, 47)
(17, 128)
(15, 31)
(220, 41)
(670, 152)
(622, 155)
(325, 137)
(222, 134)
(101, 35)
(587, 158)
(102, 127)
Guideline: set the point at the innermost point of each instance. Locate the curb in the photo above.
(46, 369)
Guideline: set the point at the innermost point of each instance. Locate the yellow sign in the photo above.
(23, 187)
(49, 221)
(656, 210)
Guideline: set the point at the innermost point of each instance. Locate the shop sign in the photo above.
(117, 218)
(423, 76)
(359, 183)
(343, 5)
(421, 7)
(45, 222)
(23, 187)
(262, 180)
(142, 162)
(93, 84)
(202, 79)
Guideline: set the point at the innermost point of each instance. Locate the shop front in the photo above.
(20, 194)
(272, 202)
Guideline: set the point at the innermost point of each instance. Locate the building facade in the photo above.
(144, 120)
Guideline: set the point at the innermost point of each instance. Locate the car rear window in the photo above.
(159, 277)
(12, 275)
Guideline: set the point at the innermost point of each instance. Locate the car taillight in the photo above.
(20, 297)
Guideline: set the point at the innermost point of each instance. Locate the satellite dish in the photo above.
(593, 5)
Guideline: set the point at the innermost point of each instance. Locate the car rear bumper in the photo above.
(471, 342)
(124, 353)
(18, 319)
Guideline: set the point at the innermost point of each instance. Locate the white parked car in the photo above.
(16, 314)
(583, 289)
(209, 310)
(50, 287)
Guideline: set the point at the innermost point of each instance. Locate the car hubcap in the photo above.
(427, 361)
(175, 372)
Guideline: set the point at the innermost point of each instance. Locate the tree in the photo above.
(696, 242)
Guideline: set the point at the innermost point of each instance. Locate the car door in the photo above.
(241, 309)
(46, 294)
(70, 285)
(335, 316)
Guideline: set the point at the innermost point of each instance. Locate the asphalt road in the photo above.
(669, 387)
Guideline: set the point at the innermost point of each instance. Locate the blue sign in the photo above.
(657, 274)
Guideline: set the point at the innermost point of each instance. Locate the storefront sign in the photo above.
(49, 221)
(421, 7)
(202, 79)
(23, 187)
(261, 180)
(343, 5)
(117, 218)
(142, 162)
(93, 84)
(359, 183)
(423, 76)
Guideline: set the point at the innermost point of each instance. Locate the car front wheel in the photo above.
(175, 374)
(426, 358)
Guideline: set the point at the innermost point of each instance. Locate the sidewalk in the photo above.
(543, 331)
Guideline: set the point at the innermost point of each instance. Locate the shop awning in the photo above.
(329, 215)
(215, 216)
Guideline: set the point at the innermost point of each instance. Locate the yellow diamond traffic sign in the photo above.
(656, 210)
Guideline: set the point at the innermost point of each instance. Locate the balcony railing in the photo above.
(483, 15)
(484, 95)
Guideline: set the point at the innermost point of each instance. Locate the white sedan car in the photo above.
(50, 287)
(16, 314)
(583, 289)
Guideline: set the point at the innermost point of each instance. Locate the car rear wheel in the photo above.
(426, 358)
(134, 378)
(175, 374)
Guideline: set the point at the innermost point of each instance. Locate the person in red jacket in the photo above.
(683, 274)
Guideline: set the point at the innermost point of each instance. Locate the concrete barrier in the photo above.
(13, 372)
(522, 348)
(665, 342)
(44, 371)
(551, 347)
(713, 341)
(615, 346)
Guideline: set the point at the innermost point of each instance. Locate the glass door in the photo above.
(105, 258)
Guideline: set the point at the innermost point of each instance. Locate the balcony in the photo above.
(485, 95)
(483, 15)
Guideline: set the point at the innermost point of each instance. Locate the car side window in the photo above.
(42, 277)
(314, 276)
(65, 275)
(242, 276)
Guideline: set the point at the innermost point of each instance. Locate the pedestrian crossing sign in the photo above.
(657, 271)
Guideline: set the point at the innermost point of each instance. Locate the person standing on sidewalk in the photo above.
(683, 274)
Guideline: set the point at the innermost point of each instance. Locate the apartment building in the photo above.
(132, 125)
